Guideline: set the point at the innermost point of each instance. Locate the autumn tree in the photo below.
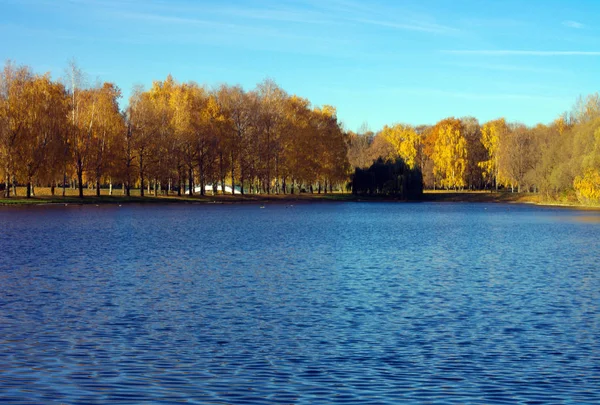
(125, 154)
(476, 152)
(14, 113)
(586, 108)
(163, 150)
(181, 121)
(405, 142)
(333, 157)
(492, 134)
(106, 128)
(449, 153)
(358, 149)
(298, 142)
(516, 157)
(210, 116)
(83, 115)
(270, 97)
(238, 108)
(143, 124)
(46, 120)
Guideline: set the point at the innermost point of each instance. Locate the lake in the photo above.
(347, 303)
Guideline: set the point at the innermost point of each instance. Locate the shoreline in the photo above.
(428, 196)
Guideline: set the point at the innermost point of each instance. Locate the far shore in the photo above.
(44, 197)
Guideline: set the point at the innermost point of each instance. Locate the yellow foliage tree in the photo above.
(450, 154)
(46, 119)
(587, 186)
(14, 114)
(405, 141)
(492, 133)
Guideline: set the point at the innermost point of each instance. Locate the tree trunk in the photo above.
(52, 186)
(110, 187)
(496, 181)
(222, 172)
(64, 185)
(141, 183)
(202, 179)
(80, 177)
(232, 176)
(191, 182)
(29, 188)
(97, 188)
(7, 184)
(180, 182)
(242, 181)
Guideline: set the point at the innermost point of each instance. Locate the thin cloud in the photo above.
(366, 13)
(410, 26)
(172, 19)
(505, 67)
(274, 14)
(507, 52)
(476, 96)
(574, 24)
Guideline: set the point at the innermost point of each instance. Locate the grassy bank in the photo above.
(44, 196)
(567, 200)
(481, 196)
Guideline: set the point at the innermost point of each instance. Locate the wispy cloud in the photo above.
(475, 96)
(410, 26)
(574, 24)
(505, 67)
(179, 29)
(275, 15)
(166, 19)
(386, 16)
(508, 52)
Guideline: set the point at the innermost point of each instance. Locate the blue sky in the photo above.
(378, 62)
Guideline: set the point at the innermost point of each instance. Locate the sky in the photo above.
(378, 62)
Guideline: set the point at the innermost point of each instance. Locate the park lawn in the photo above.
(44, 196)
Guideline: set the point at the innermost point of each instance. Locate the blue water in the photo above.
(317, 303)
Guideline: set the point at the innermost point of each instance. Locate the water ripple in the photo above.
(326, 303)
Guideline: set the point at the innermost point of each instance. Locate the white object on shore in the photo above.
(209, 189)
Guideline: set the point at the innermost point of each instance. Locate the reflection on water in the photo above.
(332, 303)
(592, 219)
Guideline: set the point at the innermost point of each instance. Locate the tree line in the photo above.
(171, 137)
(558, 160)
(177, 136)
